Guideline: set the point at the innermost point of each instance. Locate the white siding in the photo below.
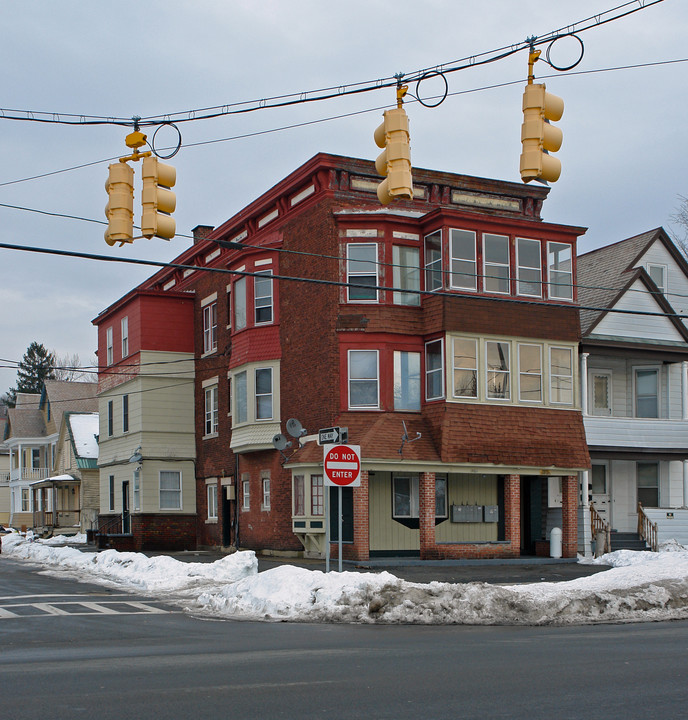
(677, 282)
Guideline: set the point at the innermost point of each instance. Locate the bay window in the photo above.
(262, 291)
(364, 391)
(560, 270)
(241, 397)
(497, 358)
(463, 259)
(465, 367)
(240, 303)
(561, 376)
(406, 380)
(433, 261)
(497, 268)
(530, 373)
(406, 275)
(434, 370)
(263, 379)
(361, 270)
(528, 267)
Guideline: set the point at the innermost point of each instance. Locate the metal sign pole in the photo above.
(339, 502)
(327, 529)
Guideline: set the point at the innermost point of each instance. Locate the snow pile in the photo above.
(640, 586)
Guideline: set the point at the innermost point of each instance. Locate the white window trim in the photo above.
(475, 369)
(592, 373)
(658, 370)
(474, 260)
(109, 347)
(349, 378)
(351, 277)
(396, 359)
(160, 490)
(209, 328)
(265, 488)
(399, 271)
(211, 485)
(211, 392)
(442, 371)
(125, 402)
(518, 268)
(256, 322)
(486, 272)
(508, 373)
(530, 374)
(429, 269)
(552, 375)
(251, 398)
(271, 395)
(550, 286)
(124, 325)
(665, 272)
(245, 493)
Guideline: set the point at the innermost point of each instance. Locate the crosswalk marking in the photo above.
(79, 607)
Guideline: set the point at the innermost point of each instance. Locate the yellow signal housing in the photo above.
(119, 210)
(157, 200)
(395, 160)
(538, 137)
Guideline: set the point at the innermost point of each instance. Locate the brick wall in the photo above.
(569, 511)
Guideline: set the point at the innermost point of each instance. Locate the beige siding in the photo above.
(386, 533)
(469, 489)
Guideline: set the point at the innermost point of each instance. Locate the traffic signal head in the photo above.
(538, 137)
(157, 200)
(395, 160)
(120, 206)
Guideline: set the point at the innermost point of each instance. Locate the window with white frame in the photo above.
(462, 244)
(137, 490)
(125, 336)
(170, 490)
(229, 306)
(600, 384)
(406, 380)
(263, 380)
(361, 270)
(560, 270)
(125, 413)
(240, 304)
(434, 370)
(406, 275)
(528, 267)
(245, 492)
(210, 328)
(433, 261)
(646, 392)
(211, 492)
(265, 482)
(465, 367)
(364, 390)
(658, 275)
(498, 370)
(241, 397)
(406, 492)
(497, 267)
(529, 372)
(211, 410)
(262, 293)
(109, 347)
(230, 397)
(561, 376)
(299, 497)
(317, 495)
(25, 500)
(36, 458)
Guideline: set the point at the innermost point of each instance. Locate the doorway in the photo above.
(533, 518)
(126, 515)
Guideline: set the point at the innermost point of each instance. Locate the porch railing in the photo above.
(647, 529)
(599, 525)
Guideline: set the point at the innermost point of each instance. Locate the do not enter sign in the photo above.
(342, 465)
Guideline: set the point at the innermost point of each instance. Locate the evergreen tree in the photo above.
(37, 366)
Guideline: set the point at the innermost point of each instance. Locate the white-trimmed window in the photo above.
(170, 490)
(361, 269)
(406, 492)
(211, 493)
(561, 376)
(137, 490)
(299, 498)
(406, 275)
(229, 306)
(658, 275)
(646, 392)
(530, 373)
(241, 397)
(240, 304)
(406, 380)
(125, 336)
(125, 413)
(211, 410)
(560, 270)
(210, 327)
(498, 370)
(109, 347)
(600, 384)
(25, 500)
(463, 250)
(465, 367)
(433, 261)
(364, 385)
(434, 370)
(317, 495)
(528, 267)
(263, 379)
(496, 261)
(245, 491)
(262, 297)
(265, 483)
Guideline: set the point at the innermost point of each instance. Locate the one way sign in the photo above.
(333, 436)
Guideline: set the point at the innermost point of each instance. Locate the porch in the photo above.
(56, 505)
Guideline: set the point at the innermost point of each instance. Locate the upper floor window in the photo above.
(361, 270)
(125, 336)
(530, 373)
(433, 261)
(211, 410)
(110, 418)
(364, 386)
(210, 328)
(434, 370)
(560, 270)
(463, 259)
(125, 413)
(528, 267)
(658, 275)
(561, 376)
(406, 380)
(263, 379)
(240, 303)
(600, 384)
(498, 372)
(109, 347)
(262, 292)
(647, 393)
(241, 397)
(497, 268)
(465, 367)
(406, 275)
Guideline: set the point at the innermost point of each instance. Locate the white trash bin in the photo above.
(555, 543)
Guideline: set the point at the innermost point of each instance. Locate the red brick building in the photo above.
(442, 332)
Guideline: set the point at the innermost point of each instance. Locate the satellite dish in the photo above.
(294, 428)
(280, 442)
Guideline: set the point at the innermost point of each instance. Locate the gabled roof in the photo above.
(82, 429)
(605, 274)
(26, 420)
(69, 397)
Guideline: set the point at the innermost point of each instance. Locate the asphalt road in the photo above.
(162, 663)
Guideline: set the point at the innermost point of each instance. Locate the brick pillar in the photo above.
(426, 515)
(569, 514)
(361, 548)
(512, 512)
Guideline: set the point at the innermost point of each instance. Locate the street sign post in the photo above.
(342, 468)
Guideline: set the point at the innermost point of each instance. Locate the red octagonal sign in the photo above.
(342, 465)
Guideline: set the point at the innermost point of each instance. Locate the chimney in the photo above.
(201, 232)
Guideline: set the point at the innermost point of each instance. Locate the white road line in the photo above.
(83, 608)
(7, 614)
(98, 608)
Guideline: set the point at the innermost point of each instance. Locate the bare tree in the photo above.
(680, 218)
(70, 369)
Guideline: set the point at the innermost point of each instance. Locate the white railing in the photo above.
(29, 474)
(635, 432)
(4, 477)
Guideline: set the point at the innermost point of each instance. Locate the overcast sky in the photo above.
(624, 154)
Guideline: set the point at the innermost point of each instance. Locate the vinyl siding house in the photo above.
(4, 473)
(634, 371)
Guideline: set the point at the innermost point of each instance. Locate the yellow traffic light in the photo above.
(120, 206)
(157, 200)
(538, 137)
(395, 160)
